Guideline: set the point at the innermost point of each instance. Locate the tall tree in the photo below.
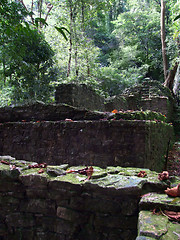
(26, 56)
(168, 77)
(163, 39)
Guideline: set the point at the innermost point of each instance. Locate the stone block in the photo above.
(34, 181)
(44, 206)
(20, 220)
(79, 96)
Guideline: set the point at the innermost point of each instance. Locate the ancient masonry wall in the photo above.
(50, 202)
(79, 96)
(136, 143)
(33, 206)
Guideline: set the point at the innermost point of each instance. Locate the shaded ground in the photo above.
(174, 160)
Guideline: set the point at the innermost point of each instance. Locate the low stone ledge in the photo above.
(47, 112)
(153, 223)
(127, 143)
(159, 201)
(68, 206)
(151, 226)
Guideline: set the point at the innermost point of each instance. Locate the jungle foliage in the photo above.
(109, 45)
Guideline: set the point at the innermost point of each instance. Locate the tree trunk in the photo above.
(70, 41)
(4, 69)
(170, 78)
(75, 45)
(83, 27)
(163, 38)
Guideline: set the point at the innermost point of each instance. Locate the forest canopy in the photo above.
(107, 44)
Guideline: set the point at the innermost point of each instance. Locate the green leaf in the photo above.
(61, 30)
(176, 18)
(40, 20)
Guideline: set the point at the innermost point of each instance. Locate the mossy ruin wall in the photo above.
(136, 143)
(34, 207)
(39, 206)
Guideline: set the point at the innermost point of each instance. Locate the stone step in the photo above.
(153, 222)
(152, 226)
(152, 201)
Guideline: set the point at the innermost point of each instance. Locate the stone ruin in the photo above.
(149, 95)
(39, 199)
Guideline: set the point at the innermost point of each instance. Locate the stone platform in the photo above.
(61, 134)
(54, 204)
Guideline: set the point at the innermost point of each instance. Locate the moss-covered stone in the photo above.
(155, 226)
(141, 115)
(151, 225)
(159, 201)
(104, 206)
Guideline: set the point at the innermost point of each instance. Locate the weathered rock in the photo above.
(159, 201)
(38, 206)
(150, 95)
(79, 96)
(156, 227)
(136, 143)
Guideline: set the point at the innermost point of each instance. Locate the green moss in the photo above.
(159, 139)
(173, 232)
(71, 178)
(140, 115)
(152, 225)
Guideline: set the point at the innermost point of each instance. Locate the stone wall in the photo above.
(149, 95)
(69, 207)
(39, 111)
(79, 96)
(137, 143)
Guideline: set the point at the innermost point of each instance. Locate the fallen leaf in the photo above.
(68, 120)
(172, 215)
(163, 176)
(115, 111)
(173, 192)
(41, 170)
(142, 174)
(89, 172)
(70, 171)
(5, 162)
(43, 165)
(38, 165)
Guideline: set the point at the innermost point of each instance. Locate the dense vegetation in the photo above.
(108, 44)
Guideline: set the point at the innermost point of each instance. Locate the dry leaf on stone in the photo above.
(115, 111)
(41, 171)
(68, 120)
(38, 165)
(88, 171)
(5, 162)
(173, 192)
(142, 174)
(172, 215)
(163, 176)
